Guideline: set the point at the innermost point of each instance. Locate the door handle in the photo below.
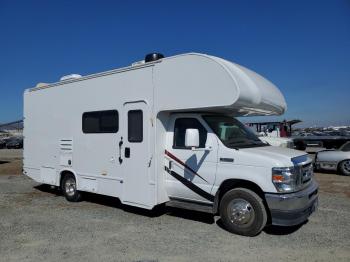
(226, 159)
(127, 152)
(206, 149)
(120, 150)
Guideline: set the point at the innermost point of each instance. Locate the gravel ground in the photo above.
(11, 161)
(38, 224)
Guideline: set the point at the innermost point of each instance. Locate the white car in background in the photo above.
(337, 160)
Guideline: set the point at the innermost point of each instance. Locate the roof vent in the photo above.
(41, 84)
(153, 57)
(138, 63)
(69, 77)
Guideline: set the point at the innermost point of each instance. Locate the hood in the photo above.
(277, 141)
(271, 138)
(275, 156)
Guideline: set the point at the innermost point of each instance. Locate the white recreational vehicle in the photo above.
(163, 131)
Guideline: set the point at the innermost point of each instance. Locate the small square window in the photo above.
(135, 126)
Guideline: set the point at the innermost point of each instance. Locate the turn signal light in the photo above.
(277, 178)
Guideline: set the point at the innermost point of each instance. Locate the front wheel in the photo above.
(242, 212)
(344, 167)
(69, 188)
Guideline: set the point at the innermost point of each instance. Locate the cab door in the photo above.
(190, 172)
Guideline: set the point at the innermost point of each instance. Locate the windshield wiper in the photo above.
(245, 143)
(236, 142)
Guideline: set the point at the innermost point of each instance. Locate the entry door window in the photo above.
(135, 126)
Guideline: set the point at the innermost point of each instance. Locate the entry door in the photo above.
(136, 155)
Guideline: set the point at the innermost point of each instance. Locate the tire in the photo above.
(300, 145)
(344, 167)
(69, 188)
(250, 217)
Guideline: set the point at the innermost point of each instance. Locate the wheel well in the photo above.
(234, 183)
(229, 184)
(63, 174)
(338, 165)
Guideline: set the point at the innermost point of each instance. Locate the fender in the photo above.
(229, 184)
(58, 182)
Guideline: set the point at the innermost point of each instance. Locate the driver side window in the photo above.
(181, 124)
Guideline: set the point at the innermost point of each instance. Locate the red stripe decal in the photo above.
(183, 164)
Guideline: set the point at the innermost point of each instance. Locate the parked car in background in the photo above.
(2, 143)
(14, 143)
(338, 160)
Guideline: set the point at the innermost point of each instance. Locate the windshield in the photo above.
(232, 133)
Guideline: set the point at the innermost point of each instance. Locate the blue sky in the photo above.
(301, 46)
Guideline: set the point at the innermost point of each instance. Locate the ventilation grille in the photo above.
(66, 144)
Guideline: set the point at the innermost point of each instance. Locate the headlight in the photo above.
(285, 179)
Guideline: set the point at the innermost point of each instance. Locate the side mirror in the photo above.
(192, 137)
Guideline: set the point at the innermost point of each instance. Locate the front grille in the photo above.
(304, 173)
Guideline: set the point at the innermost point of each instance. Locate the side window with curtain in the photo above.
(100, 122)
(181, 124)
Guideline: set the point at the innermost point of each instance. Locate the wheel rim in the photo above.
(346, 166)
(241, 212)
(70, 186)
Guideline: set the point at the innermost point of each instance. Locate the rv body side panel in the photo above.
(54, 140)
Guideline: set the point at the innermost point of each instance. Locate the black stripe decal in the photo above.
(183, 164)
(190, 185)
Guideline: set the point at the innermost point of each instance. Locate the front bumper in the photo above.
(293, 208)
(326, 165)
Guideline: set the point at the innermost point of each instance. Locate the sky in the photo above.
(303, 47)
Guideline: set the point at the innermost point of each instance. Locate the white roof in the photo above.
(202, 82)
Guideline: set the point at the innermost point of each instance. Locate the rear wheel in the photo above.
(69, 188)
(242, 212)
(344, 167)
